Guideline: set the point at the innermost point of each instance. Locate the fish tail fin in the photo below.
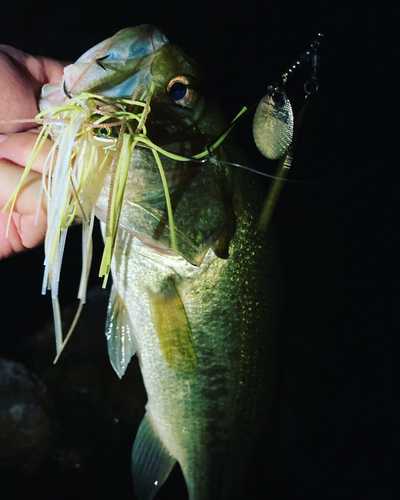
(151, 461)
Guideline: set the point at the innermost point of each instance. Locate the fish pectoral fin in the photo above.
(151, 461)
(119, 333)
(173, 329)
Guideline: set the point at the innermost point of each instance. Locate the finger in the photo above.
(22, 230)
(17, 89)
(42, 69)
(11, 244)
(17, 149)
(23, 233)
(29, 192)
(22, 77)
(46, 70)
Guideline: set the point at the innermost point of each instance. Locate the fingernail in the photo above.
(2, 138)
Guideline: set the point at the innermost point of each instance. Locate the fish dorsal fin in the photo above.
(173, 329)
(151, 461)
(119, 332)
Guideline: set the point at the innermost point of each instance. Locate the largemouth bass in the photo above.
(195, 285)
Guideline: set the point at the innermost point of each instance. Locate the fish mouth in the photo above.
(200, 202)
(143, 237)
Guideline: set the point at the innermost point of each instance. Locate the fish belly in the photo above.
(208, 419)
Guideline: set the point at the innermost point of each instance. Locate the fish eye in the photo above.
(104, 132)
(178, 91)
(181, 91)
(103, 137)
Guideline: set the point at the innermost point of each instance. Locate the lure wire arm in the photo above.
(310, 55)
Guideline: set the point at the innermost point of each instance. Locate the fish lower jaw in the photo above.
(155, 246)
(143, 240)
(138, 239)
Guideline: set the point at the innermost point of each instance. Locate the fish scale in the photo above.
(220, 408)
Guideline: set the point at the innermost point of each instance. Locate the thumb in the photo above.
(22, 77)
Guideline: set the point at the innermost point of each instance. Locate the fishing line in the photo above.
(264, 174)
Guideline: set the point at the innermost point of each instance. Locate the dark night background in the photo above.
(337, 241)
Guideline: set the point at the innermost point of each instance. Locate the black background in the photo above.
(337, 237)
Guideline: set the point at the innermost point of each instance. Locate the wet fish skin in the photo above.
(205, 409)
(210, 422)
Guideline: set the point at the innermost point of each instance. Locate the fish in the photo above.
(195, 284)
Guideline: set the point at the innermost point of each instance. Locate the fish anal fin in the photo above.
(151, 461)
(173, 328)
(119, 333)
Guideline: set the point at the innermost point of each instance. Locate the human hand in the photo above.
(21, 79)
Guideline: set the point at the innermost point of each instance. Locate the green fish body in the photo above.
(208, 413)
(202, 320)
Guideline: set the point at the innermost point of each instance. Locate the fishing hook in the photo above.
(66, 91)
(99, 61)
